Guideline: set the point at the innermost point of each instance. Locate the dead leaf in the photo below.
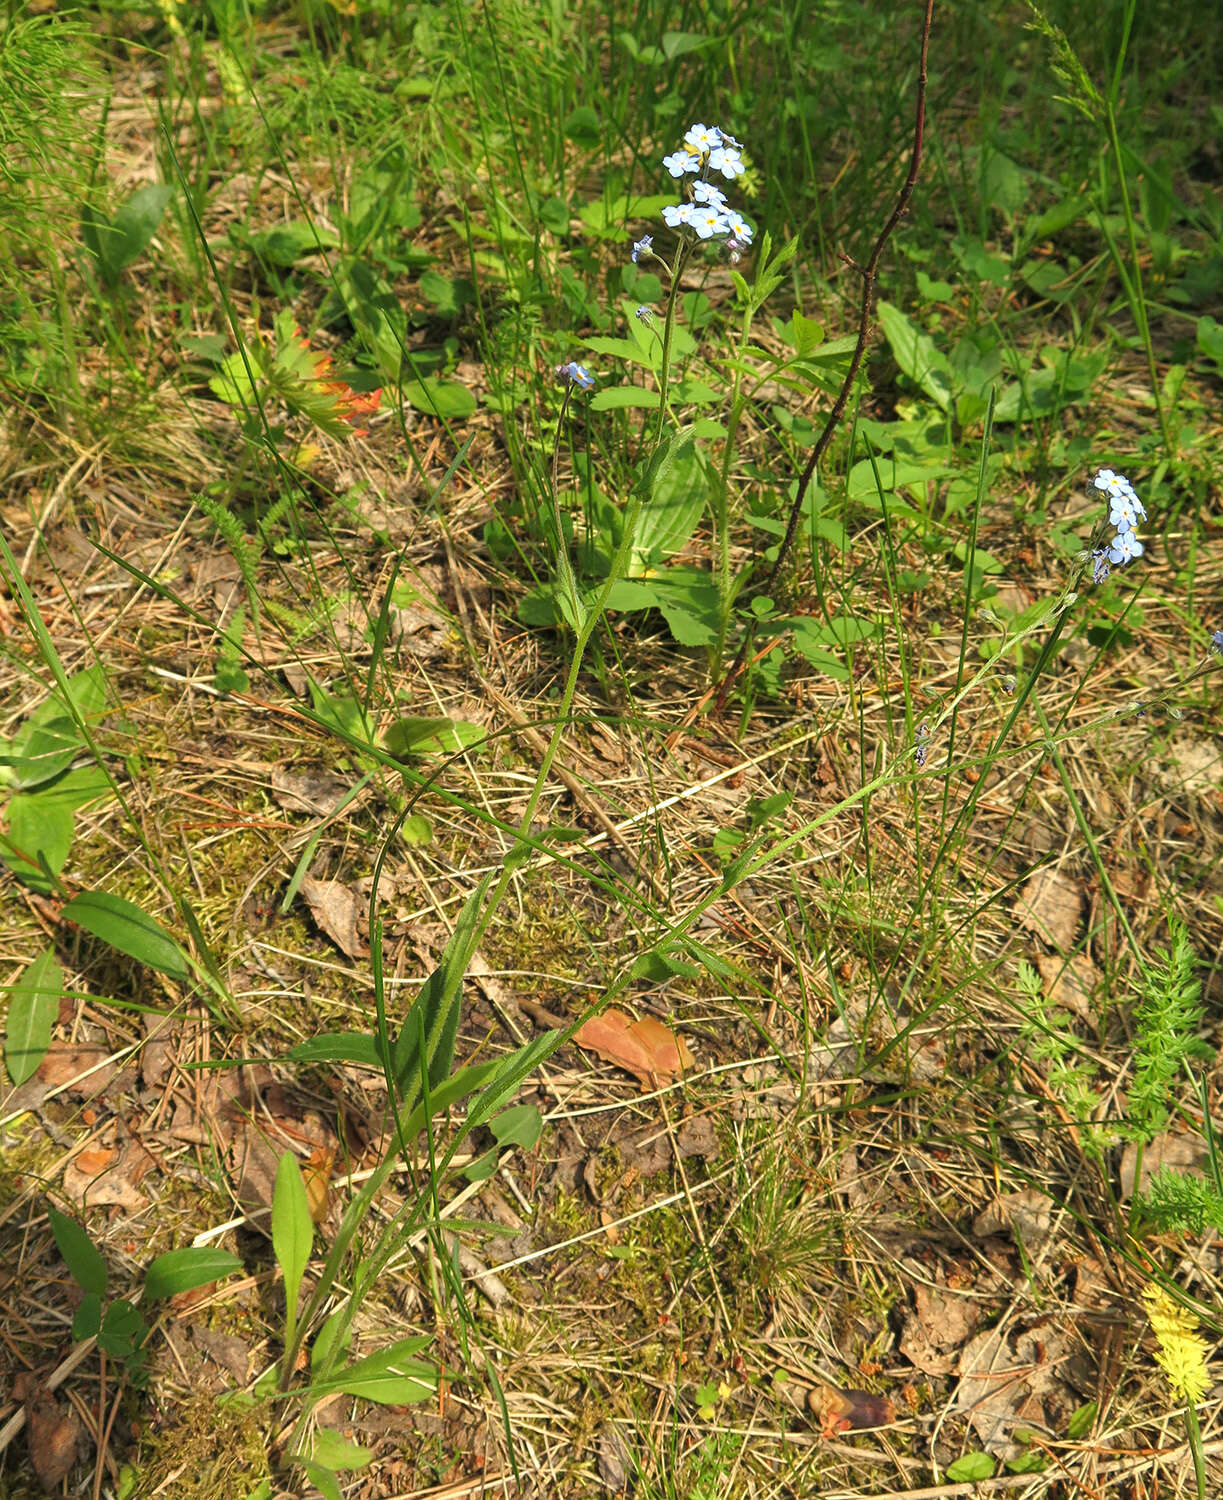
(1069, 985)
(1182, 1151)
(848, 1411)
(317, 1176)
(81, 1070)
(336, 910)
(647, 1049)
(109, 1176)
(936, 1327)
(1028, 1214)
(615, 1466)
(253, 1165)
(311, 789)
(1050, 905)
(1003, 1383)
(53, 1433)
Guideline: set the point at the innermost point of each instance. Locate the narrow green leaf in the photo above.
(393, 1376)
(31, 1015)
(183, 1270)
(338, 1046)
(292, 1229)
(80, 1255)
(128, 929)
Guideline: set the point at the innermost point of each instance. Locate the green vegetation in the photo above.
(704, 517)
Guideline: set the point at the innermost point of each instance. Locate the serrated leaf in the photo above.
(79, 1253)
(129, 930)
(183, 1270)
(33, 1007)
(807, 333)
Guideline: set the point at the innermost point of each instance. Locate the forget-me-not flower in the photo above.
(1125, 548)
(642, 247)
(1216, 642)
(675, 214)
(576, 374)
(706, 192)
(726, 159)
(680, 162)
(702, 138)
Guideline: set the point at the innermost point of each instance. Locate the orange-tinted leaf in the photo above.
(317, 1176)
(847, 1411)
(647, 1049)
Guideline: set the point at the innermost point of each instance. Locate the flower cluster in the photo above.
(706, 151)
(1125, 510)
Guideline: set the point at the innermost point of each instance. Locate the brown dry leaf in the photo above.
(940, 1322)
(1069, 985)
(66, 1065)
(53, 1433)
(253, 1164)
(1002, 1385)
(107, 1176)
(1050, 905)
(1181, 1151)
(336, 910)
(1027, 1213)
(647, 1049)
(311, 789)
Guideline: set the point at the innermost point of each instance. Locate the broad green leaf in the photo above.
(411, 736)
(292, 1229)
(86, 1265)
(416, 830)
(394, 1376)
(1082, 1420)
(807, 333)
(286, 244)
(88, 1318)
(970, 1468)
(520, 1126)
(32, 1010)
(338, 1046)
(338, 1453)
(671, 513)
(863, 487)
(73, 789)
(36, 828)
(128, 930)
(331, 1340)
(123, 1329)
(618, 397)
(136, 223)
(440, 398)
(916, 355)
(183, 1270)
(322, 1478)
(49, 749)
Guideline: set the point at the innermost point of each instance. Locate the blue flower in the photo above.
(740, 230)
(576, 374)
(1216, 642)
(676, 214)
(680, 162)
(726, 159)
(702, 138)
(1125, 547)
(705, 192)
(1099, 565)
(645, 315)
(1124, 512)
(708, 221)
(1113, 484)
(642, 247)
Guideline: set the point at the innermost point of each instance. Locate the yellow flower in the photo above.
(1182, 1350)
